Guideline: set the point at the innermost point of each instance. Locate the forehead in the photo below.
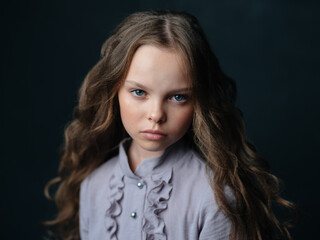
(158, 65)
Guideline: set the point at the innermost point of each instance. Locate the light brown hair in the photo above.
(217, 131)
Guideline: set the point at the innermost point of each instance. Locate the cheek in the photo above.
(183, 119)
(128, 111)
(124, 107)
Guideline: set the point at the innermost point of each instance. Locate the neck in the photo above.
(136, 155)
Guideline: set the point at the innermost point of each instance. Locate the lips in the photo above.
(153, 135)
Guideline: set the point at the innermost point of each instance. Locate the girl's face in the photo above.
(155, 100)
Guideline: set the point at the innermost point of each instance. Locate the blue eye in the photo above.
(179, 97)
(138, 92)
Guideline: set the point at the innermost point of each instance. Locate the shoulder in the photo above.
(212, 221)
(190, 160)
(193, 176)
(100, 175)
(190, 180)
(192, 169)
(196, 196)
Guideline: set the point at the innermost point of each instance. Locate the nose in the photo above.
(157, 113)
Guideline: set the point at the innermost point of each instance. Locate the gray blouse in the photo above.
(167, 197)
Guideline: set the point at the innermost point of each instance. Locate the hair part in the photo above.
(217, 131)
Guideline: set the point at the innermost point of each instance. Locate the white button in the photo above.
(133, 214)
(140, 185)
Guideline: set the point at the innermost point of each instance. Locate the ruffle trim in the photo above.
(116, 185)
(159, 194)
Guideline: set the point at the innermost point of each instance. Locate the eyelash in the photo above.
(134, 92)
(180, 95)
(140, 93)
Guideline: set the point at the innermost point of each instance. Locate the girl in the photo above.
(157, 148)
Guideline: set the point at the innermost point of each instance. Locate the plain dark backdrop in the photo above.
(270, 47)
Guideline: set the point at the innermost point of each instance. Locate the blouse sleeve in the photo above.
(214, 224)
(83, 216)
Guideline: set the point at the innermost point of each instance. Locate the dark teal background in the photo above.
(270, 47)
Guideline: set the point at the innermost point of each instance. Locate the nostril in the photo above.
(157, 116)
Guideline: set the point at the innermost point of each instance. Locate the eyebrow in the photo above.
(138, 85)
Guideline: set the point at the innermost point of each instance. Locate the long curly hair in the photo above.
(217, 131)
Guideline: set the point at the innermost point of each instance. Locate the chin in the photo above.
(154, 146)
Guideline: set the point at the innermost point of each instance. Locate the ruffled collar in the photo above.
(150, 166)
(159, 171)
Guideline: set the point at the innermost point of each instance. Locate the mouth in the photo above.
(153, 135)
